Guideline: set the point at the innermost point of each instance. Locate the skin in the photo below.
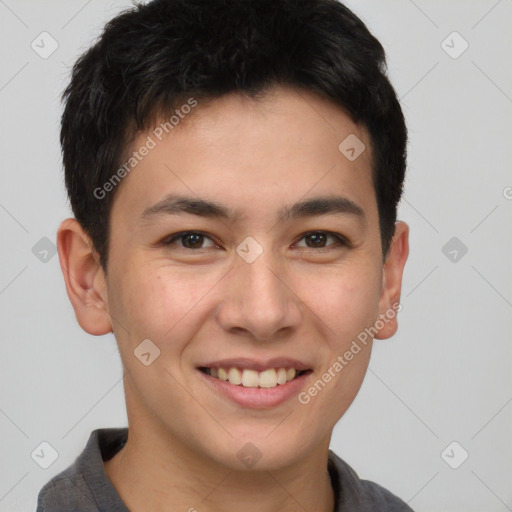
(294, 300)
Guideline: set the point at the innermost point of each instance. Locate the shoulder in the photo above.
(84, 486)
(66, 492)
(355, 494)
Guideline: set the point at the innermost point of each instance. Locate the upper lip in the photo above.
(258, 365)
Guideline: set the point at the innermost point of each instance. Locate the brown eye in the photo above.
(318, 239)
(189, 240)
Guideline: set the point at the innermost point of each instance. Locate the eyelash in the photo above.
(340, 239)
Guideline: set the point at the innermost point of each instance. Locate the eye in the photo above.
(318, 239)
(195, 240)
(189, 240)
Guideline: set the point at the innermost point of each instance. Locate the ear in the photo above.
(84, 278)
(392, 281)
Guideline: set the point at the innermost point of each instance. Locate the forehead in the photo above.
(253, 155)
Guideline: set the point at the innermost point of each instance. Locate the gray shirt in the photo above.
(84, 486)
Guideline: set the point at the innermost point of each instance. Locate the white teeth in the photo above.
(235, 376)
(268, 378)
(290, 373)
(281, 376)
(252, 379)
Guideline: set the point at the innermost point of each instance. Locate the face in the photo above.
(246, 243)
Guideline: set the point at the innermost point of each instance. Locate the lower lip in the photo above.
(257, 398)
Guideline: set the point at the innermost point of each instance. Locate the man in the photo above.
(234, 168)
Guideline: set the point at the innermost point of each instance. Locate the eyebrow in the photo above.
(174, 204)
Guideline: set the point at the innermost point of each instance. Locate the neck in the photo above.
(153, 475)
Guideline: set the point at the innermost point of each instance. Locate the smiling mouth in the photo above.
(248, 378)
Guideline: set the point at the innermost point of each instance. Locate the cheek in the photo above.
(158, 303)
(347, 304)
(345, 300)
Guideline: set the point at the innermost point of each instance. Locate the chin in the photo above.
(255, 450)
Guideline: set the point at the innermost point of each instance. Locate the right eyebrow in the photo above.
(175, 204)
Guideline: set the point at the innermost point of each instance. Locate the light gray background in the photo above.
(446, 376)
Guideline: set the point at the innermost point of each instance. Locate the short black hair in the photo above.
(152, 57)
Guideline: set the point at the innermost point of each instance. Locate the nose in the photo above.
(258, 301)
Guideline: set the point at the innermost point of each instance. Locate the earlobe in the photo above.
(392, 282)
(84, 278)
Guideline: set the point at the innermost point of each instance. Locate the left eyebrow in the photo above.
(175, 204)
(324, 205)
